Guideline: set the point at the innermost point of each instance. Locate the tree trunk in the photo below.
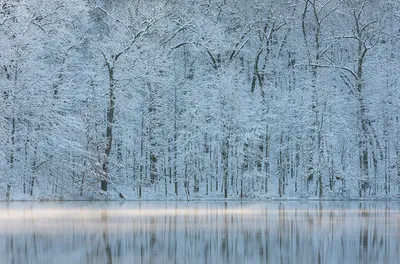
(225, 165)
(109, 130)
(8, 191)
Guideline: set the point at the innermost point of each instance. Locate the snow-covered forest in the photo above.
(199, 99)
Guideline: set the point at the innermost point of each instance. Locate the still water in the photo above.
(200, 232)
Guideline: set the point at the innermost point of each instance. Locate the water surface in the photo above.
(200, 232)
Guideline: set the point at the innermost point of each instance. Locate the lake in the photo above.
(200, 232)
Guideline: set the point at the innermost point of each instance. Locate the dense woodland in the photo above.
(199, 99)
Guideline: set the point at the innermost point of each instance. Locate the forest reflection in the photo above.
(200, 232)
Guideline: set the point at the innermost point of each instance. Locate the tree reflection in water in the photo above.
(200, 232)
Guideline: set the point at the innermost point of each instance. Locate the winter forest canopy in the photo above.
(176, 99)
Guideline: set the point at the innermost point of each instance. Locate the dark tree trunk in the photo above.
(109, 130)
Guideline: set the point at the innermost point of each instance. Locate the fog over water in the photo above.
(200, 232)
